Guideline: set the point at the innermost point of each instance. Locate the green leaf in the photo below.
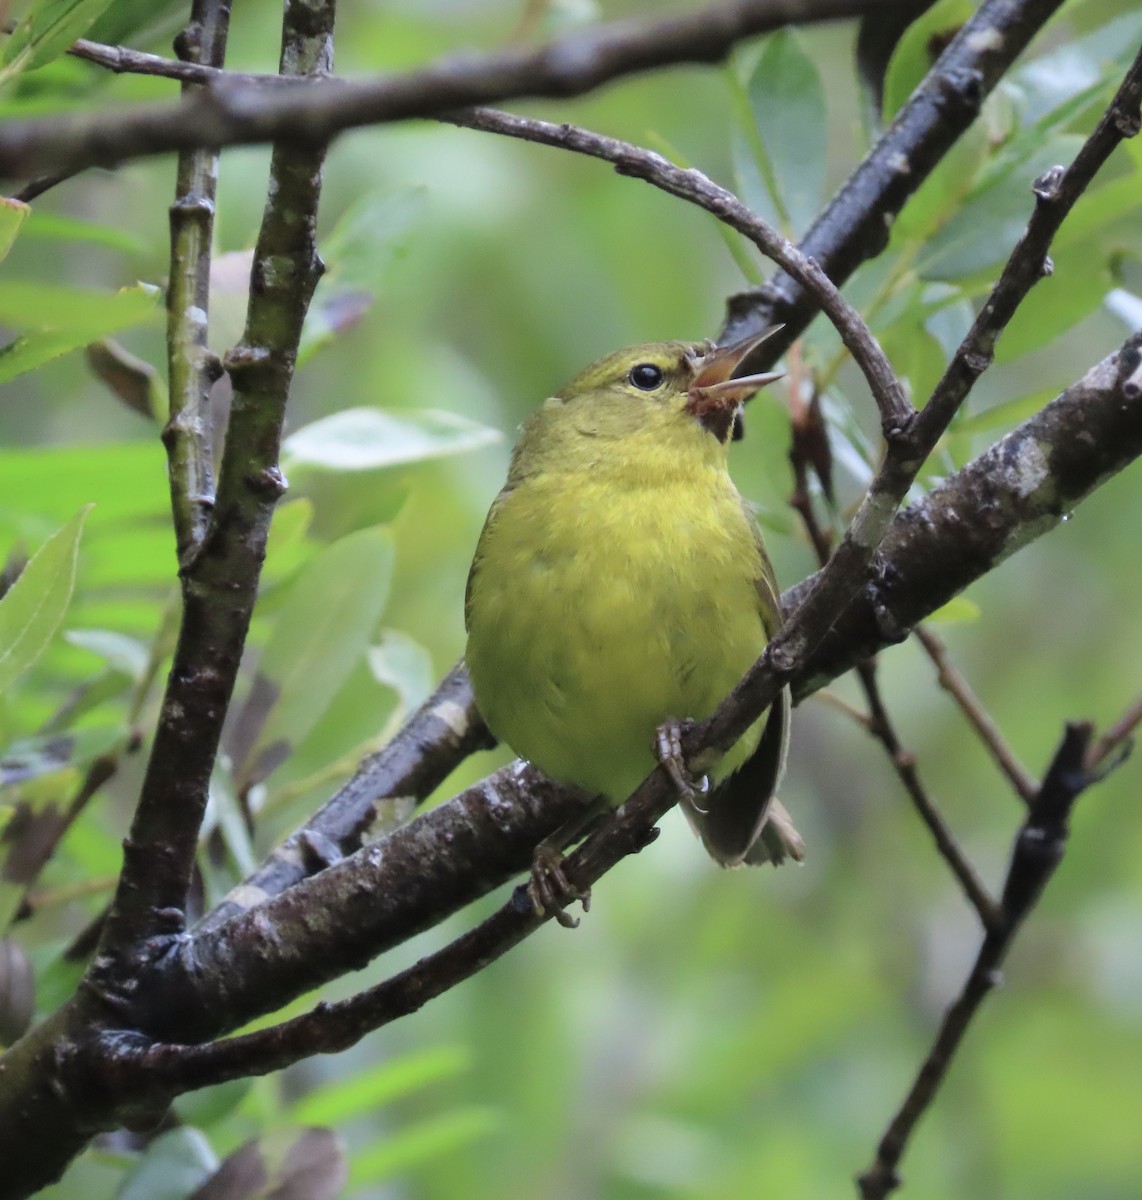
(63, 319)
(343, 1099)
(60, 227)
(305, 1164)
(425, 1141)
(33, 757)
(44, 32)
(210, 1106)
(322, 629)
(912, 59)
(1009, 413)
(982, 234)
(403, 664)
(35, 604)
(365, 439)
(957, 609)
(287, 548)
(1126, 306)
(171, 1167)
(1080, 282)
(12, 216)
(787, 100)
(29, 305)
(357, 253)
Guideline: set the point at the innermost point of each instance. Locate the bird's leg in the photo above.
(549, 889)
(668, 751)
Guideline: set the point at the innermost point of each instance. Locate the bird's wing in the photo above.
(741, 820)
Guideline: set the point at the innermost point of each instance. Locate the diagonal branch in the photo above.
(953, 682)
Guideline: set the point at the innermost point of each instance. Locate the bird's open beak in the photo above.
(714, 396)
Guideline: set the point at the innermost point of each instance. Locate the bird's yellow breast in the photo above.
(603, 603)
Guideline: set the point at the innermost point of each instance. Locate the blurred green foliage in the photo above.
(705, 1033)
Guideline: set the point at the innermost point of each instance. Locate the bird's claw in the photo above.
(549, 889)
(668, 751)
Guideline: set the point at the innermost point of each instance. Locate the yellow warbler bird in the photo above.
(620, 585)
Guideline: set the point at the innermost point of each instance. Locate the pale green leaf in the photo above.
(322, 629)
(35, 604)
(365, 439)
(1007, 414)
(1126, 307)
(12, 216)
(56, 226)
(44, 32)
(426, 1141)
(787, 100)
(63, 319)
(171, 1167)
(403, 664)
(357, 254)
(957, 609)
(343, 1099)
(912, 58)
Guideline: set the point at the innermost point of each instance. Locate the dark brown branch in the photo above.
(220, 581)
(1038, 850)
(194, 69)
(244, 114)
(1020, 488)
(972, 707)
(442, 732)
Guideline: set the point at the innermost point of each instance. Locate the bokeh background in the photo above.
(703, 1033)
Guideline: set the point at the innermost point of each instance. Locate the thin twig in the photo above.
(1116, 740)
(908, 772)
(972, 707)
(896, 414)
(1038, 850)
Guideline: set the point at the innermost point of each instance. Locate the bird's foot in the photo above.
(668, 751)
(549, 889)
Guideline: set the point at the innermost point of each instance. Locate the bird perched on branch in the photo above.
(621, 586)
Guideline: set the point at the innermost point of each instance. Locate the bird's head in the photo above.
(664, 379)
(678, 398)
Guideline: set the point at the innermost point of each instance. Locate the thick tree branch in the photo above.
(244, 114)
(440, 734)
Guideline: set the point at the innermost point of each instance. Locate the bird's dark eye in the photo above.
(646, 376)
